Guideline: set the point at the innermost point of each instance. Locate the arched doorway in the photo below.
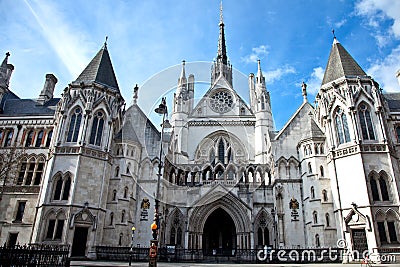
(219, 234)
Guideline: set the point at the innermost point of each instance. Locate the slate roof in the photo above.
(100, 70)
(127, 133)
(393, 100)
(340, 64)
(15, 106)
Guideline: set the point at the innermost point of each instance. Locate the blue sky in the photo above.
(291, 38)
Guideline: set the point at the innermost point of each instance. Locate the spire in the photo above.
(100, 70)
(181, 90)
(221, 41)
(260, 77)
(340, 64)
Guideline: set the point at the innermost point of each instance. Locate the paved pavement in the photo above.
(175, 264)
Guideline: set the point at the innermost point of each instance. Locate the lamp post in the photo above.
(131, 250)
(155, 226)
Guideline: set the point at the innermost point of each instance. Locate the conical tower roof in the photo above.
(341, 64)
(100, 70)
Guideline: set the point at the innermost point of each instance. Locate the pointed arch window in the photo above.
(384, 189)
(309, 168)
(74, 125)
(49, 136)
(379, 188)
(172, 237)
(29, 138)
(366, 123)
(9, 137)
(97, 129)
(62, 187)
(398, 133)
(342, 128)
(262, 102)
(125, 192)
(321, 170)
(312, 192)
(39, 139)
(111, 218)
(55, 226)
(324, 195)
(374, 189)
(221, 151)
(179, 236)
(327, 220)
(230, 156)
(114, 195)
(317, 241)
(123, 216)
(315, 217)
(212, 156)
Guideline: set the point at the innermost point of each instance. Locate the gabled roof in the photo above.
(127, 133)
(341, 64)
(100, 70)
(14, 107)
(393, 100)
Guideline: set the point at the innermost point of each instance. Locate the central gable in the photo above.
(221, 100)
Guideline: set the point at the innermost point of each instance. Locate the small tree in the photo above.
(9, 162)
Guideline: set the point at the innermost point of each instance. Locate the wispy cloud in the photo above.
(384, 70)
(375, 11)
(275, 75)
(68, 43)
(257, 53)
(314, 81)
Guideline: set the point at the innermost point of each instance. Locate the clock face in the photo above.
(221, 101)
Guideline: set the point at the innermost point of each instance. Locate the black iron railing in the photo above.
(306, 255)
(34, 255)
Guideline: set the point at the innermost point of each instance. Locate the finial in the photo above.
(221, 17)
(105, 43)
(333, 32)
(304, 91)
(8, 54)
(135, 93)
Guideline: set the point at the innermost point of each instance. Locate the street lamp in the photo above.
(130, 254)
(155, 226)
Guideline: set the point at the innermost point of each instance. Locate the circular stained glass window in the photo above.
(221, 101)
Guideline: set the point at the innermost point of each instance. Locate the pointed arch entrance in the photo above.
(219, 234)
(219, 209)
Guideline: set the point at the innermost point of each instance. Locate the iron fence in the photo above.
(38, 255)
(305, 255)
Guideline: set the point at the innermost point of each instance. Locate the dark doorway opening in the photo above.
(359, 242)
(219, 234)
(79, 242)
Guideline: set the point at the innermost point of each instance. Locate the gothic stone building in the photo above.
(86, 168)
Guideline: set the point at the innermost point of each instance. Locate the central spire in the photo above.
(221, 41)
(221, 66)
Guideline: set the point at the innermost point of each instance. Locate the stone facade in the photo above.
(86, 170)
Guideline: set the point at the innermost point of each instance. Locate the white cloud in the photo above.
(256, 54)
(377, 10)
(68, 43)
(339, 24)
(384, 71)
(314, 82)
(275, 75)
